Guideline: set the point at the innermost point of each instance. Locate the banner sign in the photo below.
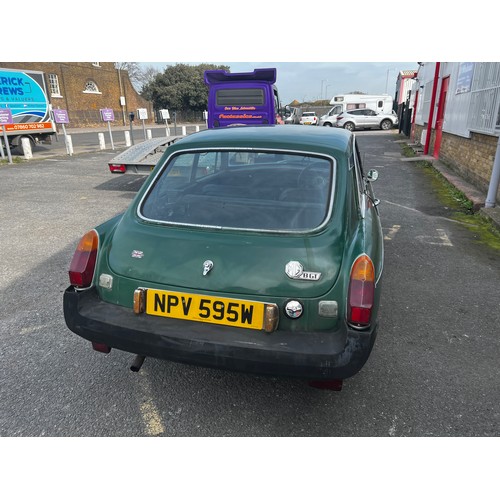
(464, 80)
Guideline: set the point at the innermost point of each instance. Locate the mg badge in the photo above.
(207, 267)
(295, 271)
(137, 254)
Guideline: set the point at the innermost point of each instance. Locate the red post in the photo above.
(431, 111)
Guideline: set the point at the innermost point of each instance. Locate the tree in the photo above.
(180, 87)
(139, 77)
(148, 75)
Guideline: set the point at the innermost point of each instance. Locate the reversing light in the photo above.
(361, 292)
(81, 269)
(271, 318)
(139, 300)
(117, 168)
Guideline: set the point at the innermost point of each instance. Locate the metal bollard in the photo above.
(102, 144)
(184, 130)
(26, 144)
(149, 134)
(69, 145)
(127, 139)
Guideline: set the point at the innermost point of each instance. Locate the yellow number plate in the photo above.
(217, 310)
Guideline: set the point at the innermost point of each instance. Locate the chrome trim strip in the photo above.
(253, 230)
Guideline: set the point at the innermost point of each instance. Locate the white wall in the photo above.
(458, 109)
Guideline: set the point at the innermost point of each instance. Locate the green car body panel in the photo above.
(250, 264)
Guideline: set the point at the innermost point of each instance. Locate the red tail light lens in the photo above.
(117, 168)
(361, 292)
(81, 269)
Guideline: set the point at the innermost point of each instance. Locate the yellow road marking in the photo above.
(152, 419)
(149, 412)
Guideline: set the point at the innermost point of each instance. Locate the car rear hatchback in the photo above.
(238, 252)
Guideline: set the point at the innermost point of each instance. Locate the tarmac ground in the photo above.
(473, 194)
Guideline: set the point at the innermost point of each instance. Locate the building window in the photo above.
(91, 88)
(54, 85)
(485, 98)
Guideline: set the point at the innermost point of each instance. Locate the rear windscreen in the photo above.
(239, 97)
(241, 189)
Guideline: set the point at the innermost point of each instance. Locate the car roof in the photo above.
(323, 140)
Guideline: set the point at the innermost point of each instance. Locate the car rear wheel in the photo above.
(386, 125)
(349, 126)
(327, 124)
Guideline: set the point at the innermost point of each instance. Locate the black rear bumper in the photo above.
(308, 355)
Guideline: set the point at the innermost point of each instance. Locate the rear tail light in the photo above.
(120, 168)
(81, 269)
(361, 292)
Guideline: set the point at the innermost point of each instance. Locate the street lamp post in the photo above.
(387, 78)
(322, 88)
(326, 90)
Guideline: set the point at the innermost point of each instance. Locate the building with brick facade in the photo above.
(84, 88)
(457, 117)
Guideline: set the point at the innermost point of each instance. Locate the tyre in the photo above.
(349, 126)
(386, 125)
(327, 124)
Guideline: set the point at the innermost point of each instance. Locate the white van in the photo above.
(294, 117)
(347, 102)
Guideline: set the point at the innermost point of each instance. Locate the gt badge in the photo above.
(295, 271)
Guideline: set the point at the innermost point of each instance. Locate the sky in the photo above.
(311, 81)
(319, 48)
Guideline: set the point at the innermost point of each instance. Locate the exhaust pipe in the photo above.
(137, 363)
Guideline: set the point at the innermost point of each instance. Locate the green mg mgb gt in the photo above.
(256, 249)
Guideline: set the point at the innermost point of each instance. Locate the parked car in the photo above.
(308, 118)
(366, 118)
(256, 249)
